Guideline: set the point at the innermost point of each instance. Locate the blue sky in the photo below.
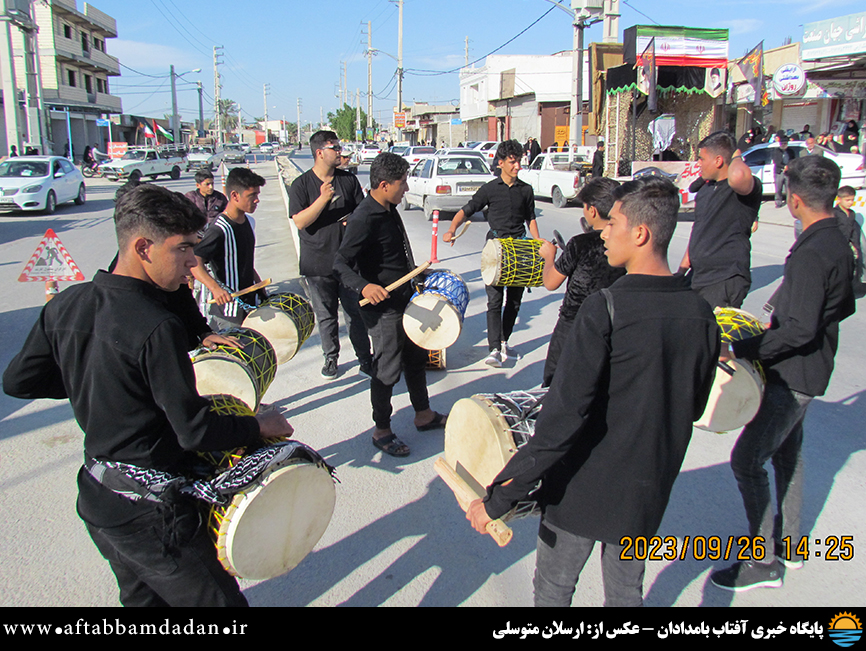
(297, 47)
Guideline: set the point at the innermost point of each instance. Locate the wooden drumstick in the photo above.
(463, 229)
(498, 530)
(259, 285)
(405, 279)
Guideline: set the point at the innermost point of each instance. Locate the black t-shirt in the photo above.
(321, 239)
(588, 271)
(510, 208)
(719, 247)
(229, 248)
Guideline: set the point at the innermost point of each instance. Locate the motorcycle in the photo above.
(90, 170)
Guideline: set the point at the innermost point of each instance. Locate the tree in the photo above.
(343, 122)
(228, 116)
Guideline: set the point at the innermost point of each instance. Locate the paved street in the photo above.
(397, 536)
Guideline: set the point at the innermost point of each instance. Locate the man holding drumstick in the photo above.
(511, 210)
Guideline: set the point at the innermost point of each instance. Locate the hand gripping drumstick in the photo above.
(259, 285)
(498, 530)
(405, 279)
(464, 228)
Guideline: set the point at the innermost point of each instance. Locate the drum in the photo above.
(483, 432)
(512, 263)
(738, 387)
(434, 317)
(286, 320)
(245, 373)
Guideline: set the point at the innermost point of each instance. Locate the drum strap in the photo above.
(608, 299)
(133, 482)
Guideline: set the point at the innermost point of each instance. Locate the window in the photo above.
(67, 31)
(100, 85)
(71, 76)
(88, 83)
(85, 44)
(98, 44)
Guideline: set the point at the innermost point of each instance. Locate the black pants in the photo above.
(500, 322)
(326, 295)
(167, 558)
(729, 293)
(554, 348)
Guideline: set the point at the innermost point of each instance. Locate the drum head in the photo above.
(271, 528)
(478, 441)
(491, 262)
(432, 322)
(278, 328)
(216, 375)
(734, 399)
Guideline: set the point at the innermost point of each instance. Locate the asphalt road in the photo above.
(397, 536)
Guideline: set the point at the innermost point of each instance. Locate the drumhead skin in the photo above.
(491, 259)
(268, 530)
(225, 375)
(286, 320)
(734, 399)
(432, 322)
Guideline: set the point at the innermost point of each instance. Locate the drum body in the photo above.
(245, 373)
(434, 317)
(512, 262)
(734, 399)
(286, 320)
(737, 324)
(483, 432)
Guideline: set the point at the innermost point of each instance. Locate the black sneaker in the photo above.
(329, 370)
(366, 368)
(793, 563)
(746, 575)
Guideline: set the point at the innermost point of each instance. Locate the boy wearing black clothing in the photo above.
(583, 263)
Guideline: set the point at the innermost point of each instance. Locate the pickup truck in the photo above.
(143, 162)
(557, 176)
(204, 157)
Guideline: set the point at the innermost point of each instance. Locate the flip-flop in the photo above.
(391, 445)
(438, 422)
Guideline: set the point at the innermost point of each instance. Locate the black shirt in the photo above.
(510, 208)
(584, 263)
(598, 163)
(375, 250)
(815, 295)
(112, 347)
(781, 158)
(321, 239)
(229, 248)
(720, 247)
(617, 420)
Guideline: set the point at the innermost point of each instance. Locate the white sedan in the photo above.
(39, 183)
(760, 160)
(445, 183)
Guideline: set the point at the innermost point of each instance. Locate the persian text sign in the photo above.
(789, 79)
(836, 37)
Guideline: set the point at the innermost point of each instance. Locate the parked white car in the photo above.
(368, 153)
(205, 157)
(137, 163)
(266, 148)
(760, 160)
(557, 177)
(486, 147)
(39, 183)
(417, 152)
(445, 183)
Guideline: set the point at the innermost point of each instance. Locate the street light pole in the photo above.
(175, 118)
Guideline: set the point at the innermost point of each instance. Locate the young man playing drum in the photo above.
(797, 354)
(511, 210)
(119, 355)
(320, 201)
(635, 373)
(375, 253)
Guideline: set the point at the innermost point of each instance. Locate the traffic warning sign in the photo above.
(50, 261)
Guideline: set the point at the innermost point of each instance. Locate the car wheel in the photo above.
(50, 202)
(82, 196)
(428, 210)
(556, 196)
(135, 175)
(175, 173)
(405, 205)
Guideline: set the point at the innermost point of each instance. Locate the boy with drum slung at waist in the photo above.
(511, 210)
(614, 427)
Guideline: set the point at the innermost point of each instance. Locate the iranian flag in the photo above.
(165, 134)
(147, 131)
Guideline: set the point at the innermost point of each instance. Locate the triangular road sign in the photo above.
(50, 261)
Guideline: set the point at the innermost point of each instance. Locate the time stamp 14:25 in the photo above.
(742, 548)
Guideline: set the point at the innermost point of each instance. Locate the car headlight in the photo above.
(32, 189)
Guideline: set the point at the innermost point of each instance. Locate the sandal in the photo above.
(438, 422)
(392, 445)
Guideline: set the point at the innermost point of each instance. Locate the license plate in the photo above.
(6, 200)
(468, 187)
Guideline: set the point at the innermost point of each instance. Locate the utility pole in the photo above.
(369, 127)
(200, 110)
(299, 122)
(357, 111)
(217, 53)
(466, 53)
(400, 65)
(175, 132)
(266, 88)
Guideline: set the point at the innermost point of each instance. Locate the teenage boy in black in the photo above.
(726, 210)
(229, 247)
(797, 354)
(511, 210)
(375, 252)
(612, 434)
(210, 201)
(320, 202)
(113, 348)
(583, 263)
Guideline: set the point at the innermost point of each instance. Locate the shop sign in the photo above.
(789, 79)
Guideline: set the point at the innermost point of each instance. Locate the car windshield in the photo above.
(23, 169)
(371, 146)
(423, 150)
(234, 147)
(462, 165)
(201, 150)
(134, 154)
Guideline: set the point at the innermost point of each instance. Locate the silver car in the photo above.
(39, 183)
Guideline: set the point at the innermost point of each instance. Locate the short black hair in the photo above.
(720, 143)
(598, 193)
(320, 139)
(203, 175)
(155, 212)
(241, 179)
(846, 191)
(815, 180)
(653, 201)
(387, 167)
(506, 150)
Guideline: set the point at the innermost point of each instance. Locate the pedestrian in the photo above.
(376, 252)
(796, 354)
(510, 203)
(210, 201)
(851, 225)
(781, 157)
(534, 150)
(850, 137)
(811, 148)
(614, 427)
(726, 210)
(320, 202)
(598, 160)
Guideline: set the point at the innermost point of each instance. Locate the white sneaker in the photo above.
(494, 359)
(508, 352)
